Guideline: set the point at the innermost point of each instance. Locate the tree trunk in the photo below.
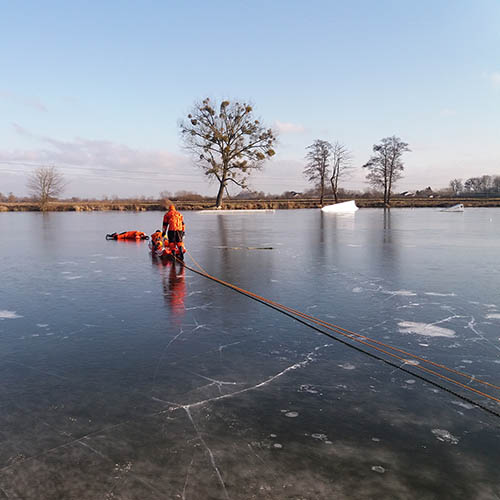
(322, 195)
(218, 203)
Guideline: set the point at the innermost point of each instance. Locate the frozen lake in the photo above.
(123, 378)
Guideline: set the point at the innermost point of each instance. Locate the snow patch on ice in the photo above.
(291, 414)
(9, 315)
(401, 293)
(347, 366)
(357, 289)
(437, 294)
(72, 277)
(445, 436)
(378, 468)
(42, 325)
(467, 406)
(426, 329)
(493, 316)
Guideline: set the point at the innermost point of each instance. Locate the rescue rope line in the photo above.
(342, 331)
(358, 338)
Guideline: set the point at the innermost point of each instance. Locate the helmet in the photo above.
(171, 207)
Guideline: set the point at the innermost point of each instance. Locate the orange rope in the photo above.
(357, 337)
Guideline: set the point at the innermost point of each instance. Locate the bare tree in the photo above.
(227, 142)
(341, 160)
(45, 184)
(318, 165)
(386, 165)
(456, 186)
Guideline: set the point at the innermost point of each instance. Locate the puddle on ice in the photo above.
(9, 315)
(429, 330)
(445, 436)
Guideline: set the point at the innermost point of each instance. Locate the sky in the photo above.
(98, 88)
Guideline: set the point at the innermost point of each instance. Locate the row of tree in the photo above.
(483, 185)
(228, 143)
(326, 161)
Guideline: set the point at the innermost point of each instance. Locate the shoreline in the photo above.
(277, 204)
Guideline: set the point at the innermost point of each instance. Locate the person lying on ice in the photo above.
(173, 225)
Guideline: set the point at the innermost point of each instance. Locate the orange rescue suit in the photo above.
(130, 235)
(173, 220)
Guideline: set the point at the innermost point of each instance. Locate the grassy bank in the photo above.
(142, 206)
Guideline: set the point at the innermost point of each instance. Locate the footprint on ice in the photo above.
(291, 414)
(445, 436)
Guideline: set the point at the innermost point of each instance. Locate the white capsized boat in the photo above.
(455, 208)
(346, 207)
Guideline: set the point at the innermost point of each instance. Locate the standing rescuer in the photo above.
(174, 222)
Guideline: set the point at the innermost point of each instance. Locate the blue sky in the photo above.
(97, 88)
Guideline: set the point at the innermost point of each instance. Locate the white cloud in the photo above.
(88, 153)
(287, 127)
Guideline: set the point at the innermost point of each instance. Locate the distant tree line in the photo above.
(484, 185)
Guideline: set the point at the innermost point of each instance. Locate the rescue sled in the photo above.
(159, 248)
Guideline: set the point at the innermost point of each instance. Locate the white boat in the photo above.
(346, 207)
(455, 208)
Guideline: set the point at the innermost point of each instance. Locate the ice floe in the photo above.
(9, 315)
(426, 329)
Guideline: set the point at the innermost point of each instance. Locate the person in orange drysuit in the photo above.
(173, 225)
(158, 244)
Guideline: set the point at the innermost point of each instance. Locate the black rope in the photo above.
(359, 349)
